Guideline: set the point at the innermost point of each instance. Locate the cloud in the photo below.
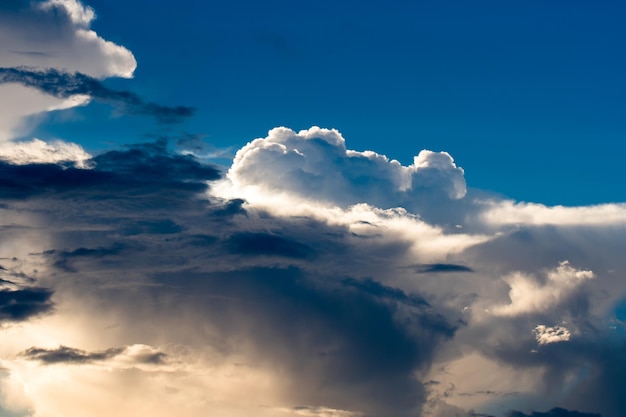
(173, 296)
(511, 213)
(308, 411)
(57, 34)
(37, 151)
(546, 334)
(555, 412)
(316, 164)
(51, 34)
(434, 268)
(529, 294)
(25, 303)
(64, 354)
(65, 85)
(355, 343)
(140, 354)
(266, 244)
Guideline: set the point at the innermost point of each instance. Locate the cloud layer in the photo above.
(310, 307)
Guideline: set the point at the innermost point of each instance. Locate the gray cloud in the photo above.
(25, 303)
(347, 316)
(435, 268)
(64, 354)
(64, 85)
(555, 412)
(68, 355)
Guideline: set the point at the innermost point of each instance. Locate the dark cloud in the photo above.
(22, 304)
(342, 320)
(148, 169)
(379, 290)
(21, 181)
(64, 354)
(555, 412)
(434, 268)
(352, 339)
(267, 244)
(62, 84)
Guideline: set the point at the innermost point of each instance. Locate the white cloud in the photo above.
(511, 213)
(38, 151)
(306, 411)
(57, 34)
(529, 294)
(546, 335)
(51, 34)
(315, 164)
(80, 14)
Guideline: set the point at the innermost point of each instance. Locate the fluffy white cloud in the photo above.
(51, 34)
(57, 34)
(546, 334)
(529, 294)
(316, 164)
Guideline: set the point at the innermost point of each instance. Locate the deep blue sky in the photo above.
(527, 96)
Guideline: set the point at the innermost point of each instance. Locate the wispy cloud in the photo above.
(64, 85)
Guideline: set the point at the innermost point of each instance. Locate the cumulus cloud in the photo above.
(57, 34)
(316, 164)
(546, 334)
(528, 294)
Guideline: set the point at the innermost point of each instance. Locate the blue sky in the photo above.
(289, 209)
(526, 96)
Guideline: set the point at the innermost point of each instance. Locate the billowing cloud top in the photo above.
(316, 164)
(57, 34)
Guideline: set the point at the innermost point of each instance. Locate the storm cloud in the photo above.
(141, 234)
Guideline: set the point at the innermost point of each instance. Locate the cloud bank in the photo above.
(140, 274)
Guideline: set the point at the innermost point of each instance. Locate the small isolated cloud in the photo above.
(64, 354)
(316, 164)
(135, 354)
(546, 335)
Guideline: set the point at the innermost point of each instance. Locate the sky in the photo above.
(326, 209)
